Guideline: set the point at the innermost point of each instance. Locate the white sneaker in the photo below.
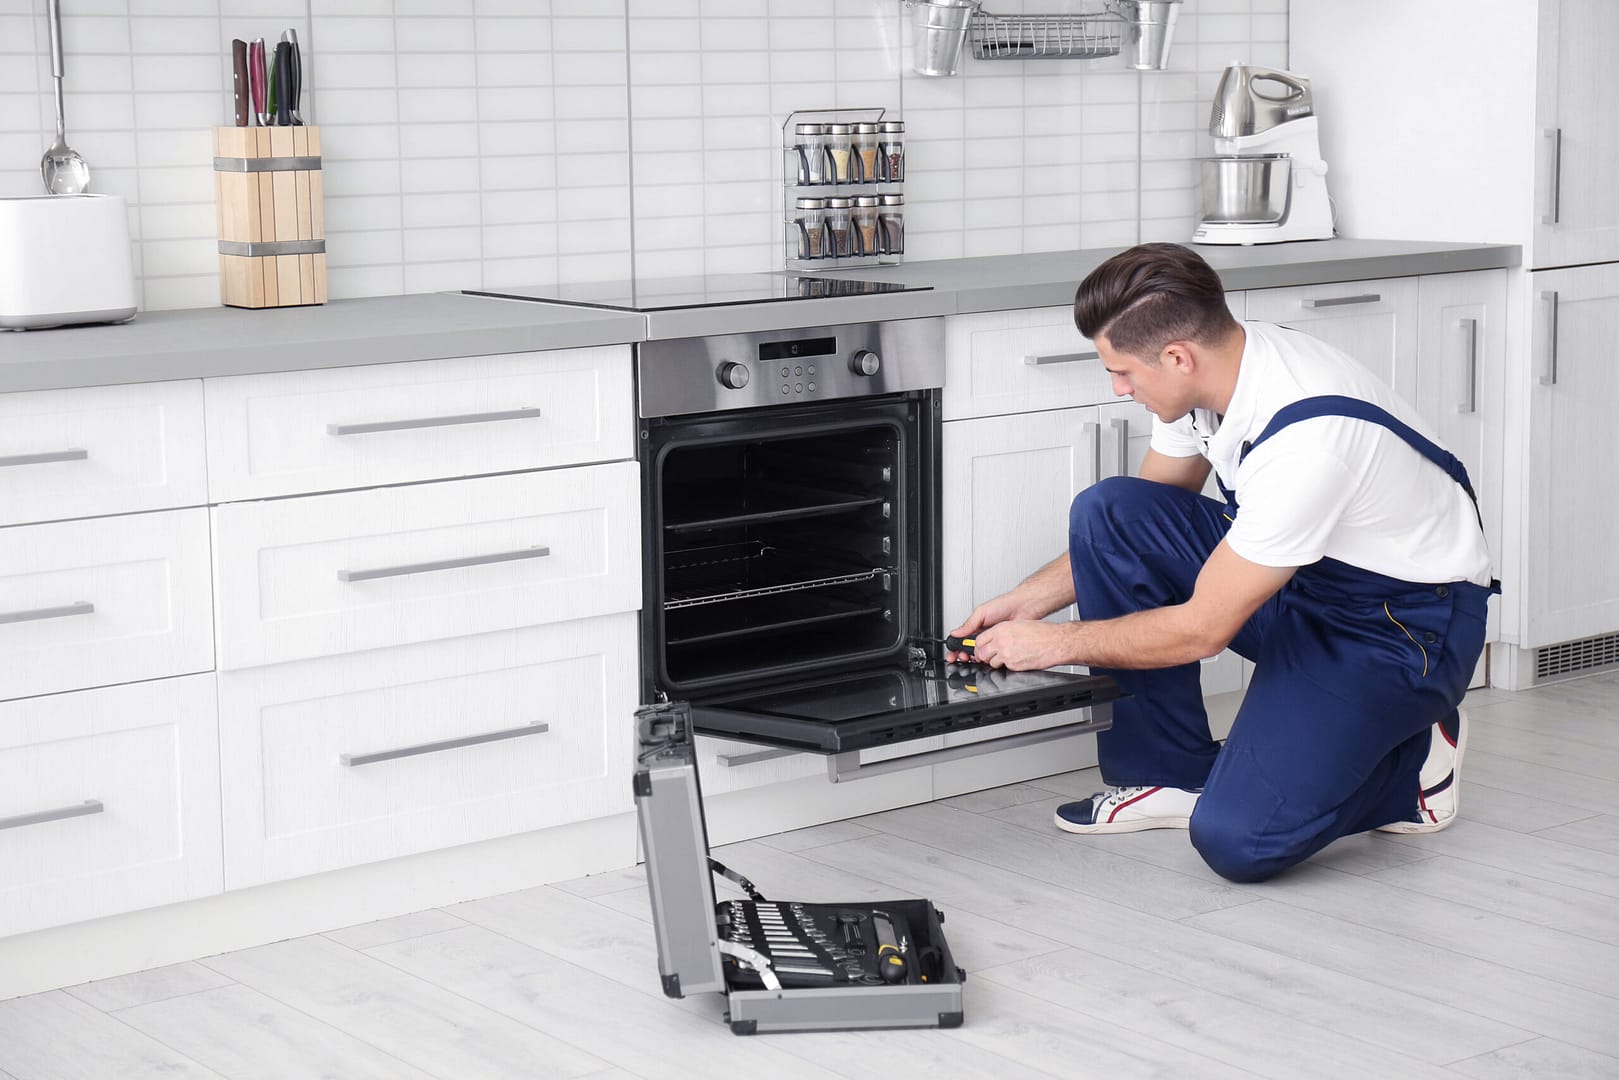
(1128, 809)
(1439, 794)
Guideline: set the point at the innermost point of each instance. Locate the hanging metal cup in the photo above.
(941, 27)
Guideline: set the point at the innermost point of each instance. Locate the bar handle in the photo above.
(1470, 402)
(1061, 358)
(431, 421)
(442, 564)
(1342, 301)
(44, 458)
(1556, 136)
(445, 744)
(80, 607)
(1094, 430)
(1549, 378)
(731, 761)
(39, 817)
(1121, 433)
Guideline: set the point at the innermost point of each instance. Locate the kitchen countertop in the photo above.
(208, 342)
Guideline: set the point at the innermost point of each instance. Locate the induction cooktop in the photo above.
(717, 290)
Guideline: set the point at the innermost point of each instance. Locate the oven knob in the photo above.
(865, 362)
(733, 375)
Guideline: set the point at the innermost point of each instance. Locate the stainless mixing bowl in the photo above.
(1248, 190)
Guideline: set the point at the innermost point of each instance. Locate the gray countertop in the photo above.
(206, 342)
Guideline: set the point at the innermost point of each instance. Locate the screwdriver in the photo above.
(961, 644)
(890, 961)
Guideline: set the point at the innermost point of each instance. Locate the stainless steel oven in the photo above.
(792, 549)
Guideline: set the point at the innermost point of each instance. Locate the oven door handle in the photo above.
(847, 766)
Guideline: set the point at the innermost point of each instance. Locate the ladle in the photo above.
(64, 170)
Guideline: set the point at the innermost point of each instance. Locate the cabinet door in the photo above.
(1373, 321)
(1577, 201)
(1572, 587)
(1461, 338)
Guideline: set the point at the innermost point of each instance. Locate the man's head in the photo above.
(1155, 312)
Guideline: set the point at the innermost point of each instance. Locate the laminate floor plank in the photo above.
(1508, 892)
(833, 832)
(54, 1036)
(1599, 833)
(982, 802)
(240, 1033)
(424, 1025)
(1513, 810)
(364, 935)
(1541, 781)
(142, 987)
(1536, 855)
(1539, 1059)
(1463, 983)
(1556, 721)
(1545, 746)
(611, 881)
(630, 1030)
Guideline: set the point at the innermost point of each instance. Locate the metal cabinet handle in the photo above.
(81, 607)
(39, 817)
(1342, 301)
(431, 421)
(1121, 432)
(731, 761)
(446, 744)
(1470, 402)
(1550, 376)
(1061, 358)
(1094, 430)
(1556, 136)
(442, 564)
(44, 458)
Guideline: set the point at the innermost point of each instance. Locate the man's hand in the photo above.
(989, 613)
(1026, 645)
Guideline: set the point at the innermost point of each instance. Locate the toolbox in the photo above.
(782, 965)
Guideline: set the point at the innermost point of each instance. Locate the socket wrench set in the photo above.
(783, 965)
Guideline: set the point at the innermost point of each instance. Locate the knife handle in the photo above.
(239, 91)
(257, 81)
(283, 84)
(295, 89)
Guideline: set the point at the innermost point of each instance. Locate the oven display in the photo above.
(792, 350)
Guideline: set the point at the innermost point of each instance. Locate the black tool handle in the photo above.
(283, 84)
(961, 644)
(295, 85)
(239, 84)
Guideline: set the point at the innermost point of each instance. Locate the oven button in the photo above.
(733, 375)
(865, 362)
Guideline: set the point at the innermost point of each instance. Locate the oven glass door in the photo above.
(879, 706)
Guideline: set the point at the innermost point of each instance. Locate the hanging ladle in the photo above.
(64, 170)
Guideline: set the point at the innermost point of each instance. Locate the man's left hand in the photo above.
(1024, 645)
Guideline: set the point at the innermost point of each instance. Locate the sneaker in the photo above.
(1128, 809)
(1439, 796)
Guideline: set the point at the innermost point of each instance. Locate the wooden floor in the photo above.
(1490, 950)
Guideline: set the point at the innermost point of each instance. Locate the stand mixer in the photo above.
(1267, 183)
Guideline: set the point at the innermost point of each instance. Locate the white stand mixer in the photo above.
(1268, 183)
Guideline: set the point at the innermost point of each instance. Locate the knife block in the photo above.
(272, 229)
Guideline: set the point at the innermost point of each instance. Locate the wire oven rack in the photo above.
(1089, 36)
(749, 570)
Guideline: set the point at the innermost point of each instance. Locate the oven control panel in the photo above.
(689, 376)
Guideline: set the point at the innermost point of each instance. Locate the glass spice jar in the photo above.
(891, 224)
(810, 147)
(840, 228)
(865, 224)
(891, 146)
(811, 223)
(865, 153)
(839, 150)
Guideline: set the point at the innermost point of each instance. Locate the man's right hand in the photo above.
(987, 614)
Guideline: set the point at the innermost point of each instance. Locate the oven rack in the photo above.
(761, 503)
(770, 614)
(741, 590)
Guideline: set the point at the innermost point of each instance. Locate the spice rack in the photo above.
(843, 198)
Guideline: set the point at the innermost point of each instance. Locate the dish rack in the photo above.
(1084, 36)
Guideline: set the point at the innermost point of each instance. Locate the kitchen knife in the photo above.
(258, 82)
(282, 99)
(270, 84)
(238, 61)
(296, 93)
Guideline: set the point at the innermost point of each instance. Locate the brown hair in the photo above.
(1150, 295)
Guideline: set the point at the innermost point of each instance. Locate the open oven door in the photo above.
(841, 713)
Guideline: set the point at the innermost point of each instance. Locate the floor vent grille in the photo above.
(1576, 657)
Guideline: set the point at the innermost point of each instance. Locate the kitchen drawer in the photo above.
(304, 431)
(346, 760)
(104, 450)
(109, 802)
(1374, 322)
(1019, 361)
(329, 574)
(108, 600)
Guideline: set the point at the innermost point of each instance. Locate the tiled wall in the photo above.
(482, 143)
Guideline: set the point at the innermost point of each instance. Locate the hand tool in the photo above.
(282, 83)
(891, 963)
(295, 91)
(961, 644)
(258, 80)
(238, 83)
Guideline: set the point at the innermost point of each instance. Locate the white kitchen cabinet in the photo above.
(1576, 101)
(1003, 362)
(1374, 322)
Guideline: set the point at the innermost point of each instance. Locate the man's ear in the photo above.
(1180, 356)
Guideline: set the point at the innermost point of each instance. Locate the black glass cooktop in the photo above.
(667, 294)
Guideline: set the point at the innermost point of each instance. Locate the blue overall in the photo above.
(1353, 669)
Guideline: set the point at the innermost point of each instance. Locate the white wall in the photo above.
(480, 143)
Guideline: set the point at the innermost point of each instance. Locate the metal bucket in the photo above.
(1245, 190)
(941, 27)
(1150, 31)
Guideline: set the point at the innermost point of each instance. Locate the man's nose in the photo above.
(1121, 387)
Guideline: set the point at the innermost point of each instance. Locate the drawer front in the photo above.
(329, 574)
(103, 450)
(110, 600)
(305, 431)
(1019, 361)
(109, 802)
(340, 761)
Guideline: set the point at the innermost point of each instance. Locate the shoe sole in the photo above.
(1419, 828)
(1138, 825)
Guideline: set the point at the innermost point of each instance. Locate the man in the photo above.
(1348, 562)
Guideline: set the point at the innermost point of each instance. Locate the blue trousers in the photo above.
(1353, 669)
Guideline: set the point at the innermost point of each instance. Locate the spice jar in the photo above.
(811, 223)
(891, 145)
(810, 147)
(840, 227)
(891, 224)
(865, 152)
(865, 224)
(839, 149)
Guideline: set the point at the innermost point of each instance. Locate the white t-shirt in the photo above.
(1330, 486)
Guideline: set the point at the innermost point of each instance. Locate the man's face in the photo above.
(1160, 387)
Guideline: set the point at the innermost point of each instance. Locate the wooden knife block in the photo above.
(272, 231)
